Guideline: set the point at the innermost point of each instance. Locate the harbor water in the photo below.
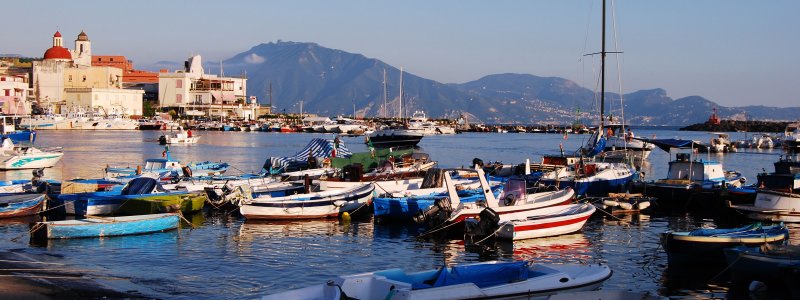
(222, 256)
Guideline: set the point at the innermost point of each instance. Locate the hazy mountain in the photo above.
(331, 82)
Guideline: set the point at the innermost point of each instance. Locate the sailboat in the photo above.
(585, 174)
(401, 136)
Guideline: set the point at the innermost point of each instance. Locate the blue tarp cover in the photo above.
(318, 147)
(484, 275)
(142, 186)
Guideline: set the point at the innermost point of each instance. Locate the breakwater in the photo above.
(733, 125)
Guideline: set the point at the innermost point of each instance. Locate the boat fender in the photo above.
(346, 216)
(510, 199)
(625, 206)
(610, 203)
(643, 205)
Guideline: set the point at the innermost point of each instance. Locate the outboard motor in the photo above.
(477, 161)
(162, 140)
(437, 214)
(477, 229)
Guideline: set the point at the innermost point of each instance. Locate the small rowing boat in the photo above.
(103, 227)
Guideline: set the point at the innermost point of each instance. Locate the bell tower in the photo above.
(82, 54)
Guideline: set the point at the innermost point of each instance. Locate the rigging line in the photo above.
(619, 69)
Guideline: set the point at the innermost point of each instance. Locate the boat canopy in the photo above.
(667, 144)
(142, 186)
(317, 147)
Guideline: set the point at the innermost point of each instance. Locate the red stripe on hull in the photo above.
(550, 224)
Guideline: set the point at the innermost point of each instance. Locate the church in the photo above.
(65, 81)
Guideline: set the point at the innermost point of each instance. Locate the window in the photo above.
(8, 92)
(2, 79)
(84, 78)
(179, 84)
(178, 98)
(112, 59)
(70, 78)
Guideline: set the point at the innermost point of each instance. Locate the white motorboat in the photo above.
(14, 157)
(325, 204)
(486, 280)
(179, 137)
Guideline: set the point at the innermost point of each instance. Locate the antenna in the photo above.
(385, 93)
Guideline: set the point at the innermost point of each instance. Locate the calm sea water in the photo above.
(226, 257)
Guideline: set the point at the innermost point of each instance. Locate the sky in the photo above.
(732, 52)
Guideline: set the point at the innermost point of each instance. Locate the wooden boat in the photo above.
(763, 263)
(586, 177)
(103, 227)
(17, 205)
(529, 224)
(409, 206)
(314, 205)
(705, 245)
(486, 280)
(140, 195)
(164, 203)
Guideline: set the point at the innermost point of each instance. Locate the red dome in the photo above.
(58, 34)
(57, 53)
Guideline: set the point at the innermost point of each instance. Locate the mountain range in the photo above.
(334, 82)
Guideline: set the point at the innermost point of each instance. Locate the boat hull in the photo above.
(683, 248)
(103, 227)
(551, 221)
(773, 206)
(309, 206)
(186, 203)
(18, 205)
(33, 161)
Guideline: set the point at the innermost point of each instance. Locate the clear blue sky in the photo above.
(732, 52)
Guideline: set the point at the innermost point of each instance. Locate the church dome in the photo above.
(58, 34)
(57, 52)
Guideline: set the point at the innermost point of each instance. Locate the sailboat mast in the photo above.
(385, 94)
(400, 113)
(603, 70)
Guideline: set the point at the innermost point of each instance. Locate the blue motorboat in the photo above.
(408, 207)
(705, 245)
(104, 227)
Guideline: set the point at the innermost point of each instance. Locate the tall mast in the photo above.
(603, 70)
(270, 97)
(385, 92)
(400, 113)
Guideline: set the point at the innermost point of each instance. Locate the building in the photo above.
(14, 90)
(194, 93)
(131, 78)
(65, 80)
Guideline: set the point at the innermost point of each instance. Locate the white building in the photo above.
(195, 93)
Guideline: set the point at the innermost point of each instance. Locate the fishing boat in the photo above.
(15, 157)
(486, 280)
(791, 137)
(169, 168)
(324, 204)
(310, 157)
(777, 196)
(623, 142)
(394, 137)
(140, 195)
(528, 224)
(180, 137)
(587, 177)
(20, 204)
(705, 245)
(104, 227)
(691, 183)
